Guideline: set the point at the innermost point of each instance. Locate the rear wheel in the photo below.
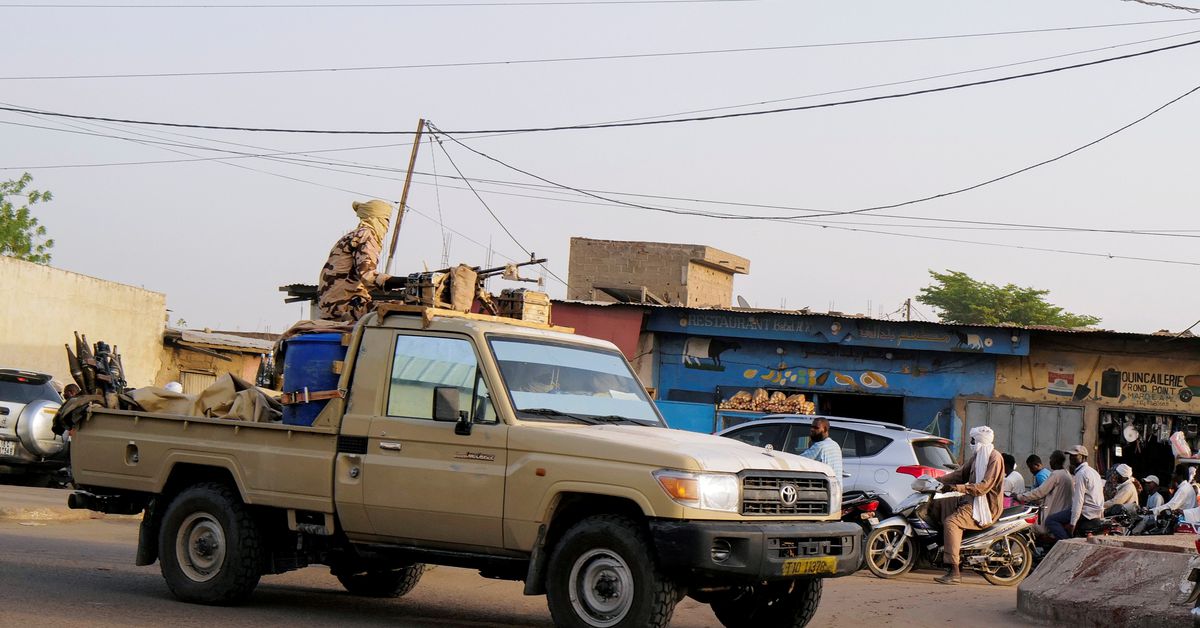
(889, 553)
(383, 582)
(783, 604)
(208, 546)
(1018, 561)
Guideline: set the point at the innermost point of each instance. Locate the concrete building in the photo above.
(43, 307)
(692, 275)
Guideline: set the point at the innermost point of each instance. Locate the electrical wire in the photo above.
(806, 224)
(611, 125)
(588, 58)
(365, 5)
(1166, 5)
(489, 209)
(321, 165)
(829, 213)
(160, 146)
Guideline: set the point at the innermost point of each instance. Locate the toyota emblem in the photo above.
(789, 494)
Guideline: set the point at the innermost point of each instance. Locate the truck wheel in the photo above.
(786, 604)
(602, 574)
(208, 546)
(383, 582)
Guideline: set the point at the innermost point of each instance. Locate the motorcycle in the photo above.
(861, 508)
(1001, 553)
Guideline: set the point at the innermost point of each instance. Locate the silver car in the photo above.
(28, 447)
(878, 457)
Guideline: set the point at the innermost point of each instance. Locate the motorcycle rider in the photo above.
(1184, 496)
(1087, 497)
(1055, 492)
(981, 482)
(1126, 497)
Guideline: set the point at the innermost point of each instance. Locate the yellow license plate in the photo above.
(809, 566)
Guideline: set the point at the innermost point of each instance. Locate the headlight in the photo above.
(835, 495)
(706, 491)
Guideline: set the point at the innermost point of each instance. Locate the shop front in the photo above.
(717, 368)
(1134, 394)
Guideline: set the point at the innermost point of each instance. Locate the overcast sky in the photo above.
(219, 239)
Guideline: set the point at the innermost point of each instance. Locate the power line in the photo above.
(363, 5)
(320, 165)
(828, 213)
(1167, 5)
(812, 224)
(488, 208)
(160, 146)
(587, 58)
(610, 125)
(908, 81)
(720, 108)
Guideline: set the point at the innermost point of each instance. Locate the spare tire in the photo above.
(35, 428)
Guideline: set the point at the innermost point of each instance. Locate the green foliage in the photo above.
(960, 299)
(20, 234)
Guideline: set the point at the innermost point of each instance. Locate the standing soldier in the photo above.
(343, 292)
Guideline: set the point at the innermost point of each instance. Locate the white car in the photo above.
(29, 449)
(882, 458)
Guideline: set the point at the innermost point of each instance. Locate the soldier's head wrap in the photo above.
(375, 214)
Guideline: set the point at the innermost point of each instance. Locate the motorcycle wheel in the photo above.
(889, 553)
(1020, 561)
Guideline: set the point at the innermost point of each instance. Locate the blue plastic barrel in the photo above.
(308, 363)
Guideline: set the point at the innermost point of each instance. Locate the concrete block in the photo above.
(1111, 583)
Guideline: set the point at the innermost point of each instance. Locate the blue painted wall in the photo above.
(929, 380)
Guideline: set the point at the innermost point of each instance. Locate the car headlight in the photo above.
(835, 495)
(706, 491)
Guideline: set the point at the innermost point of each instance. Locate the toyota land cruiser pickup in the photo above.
(520, 450)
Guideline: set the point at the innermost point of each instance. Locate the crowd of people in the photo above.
(1075, 497)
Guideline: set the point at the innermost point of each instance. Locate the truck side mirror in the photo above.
(445, 404)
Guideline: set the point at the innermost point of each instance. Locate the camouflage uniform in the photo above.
(344, 289)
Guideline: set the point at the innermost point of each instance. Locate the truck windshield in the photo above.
(573, 380)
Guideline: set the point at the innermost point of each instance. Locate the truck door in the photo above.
(421, 480)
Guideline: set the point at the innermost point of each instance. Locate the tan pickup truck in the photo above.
(525, 452)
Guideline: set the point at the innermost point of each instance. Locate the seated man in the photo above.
(1054, 492)
(1087, 499)
(1126, 497)
(981, 480)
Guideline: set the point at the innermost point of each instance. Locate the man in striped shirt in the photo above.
(823, 449)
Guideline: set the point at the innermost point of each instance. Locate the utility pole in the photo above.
(908, 309)
(412, 162)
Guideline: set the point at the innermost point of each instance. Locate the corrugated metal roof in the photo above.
(220, 341)
(805, 312)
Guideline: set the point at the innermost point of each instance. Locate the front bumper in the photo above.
(746, 550)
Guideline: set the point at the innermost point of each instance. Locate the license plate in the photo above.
(809, 566)
(8, 448)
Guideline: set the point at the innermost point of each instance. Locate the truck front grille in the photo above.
(765, 495)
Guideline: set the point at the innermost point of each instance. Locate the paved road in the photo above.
(81, 573)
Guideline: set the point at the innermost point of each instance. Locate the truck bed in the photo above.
(285, 466)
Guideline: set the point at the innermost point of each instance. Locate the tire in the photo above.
(384, 582)
(785, 604)
(208, 546)
(889, 553)
(602, 574)
(1022, 561)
